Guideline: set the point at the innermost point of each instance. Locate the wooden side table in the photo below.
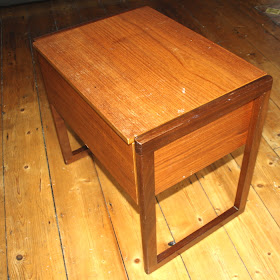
(155, 103)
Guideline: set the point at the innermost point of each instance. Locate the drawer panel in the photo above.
(189, 154)
(116, 155)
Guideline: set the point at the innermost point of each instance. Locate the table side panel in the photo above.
(196, 150)
(116, 155)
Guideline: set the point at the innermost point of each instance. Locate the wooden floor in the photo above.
(74, 222)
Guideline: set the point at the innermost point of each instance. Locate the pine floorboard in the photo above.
(74, 222)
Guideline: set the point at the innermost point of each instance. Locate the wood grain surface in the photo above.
(186, 214)
(252, 121)
(189, 122)
(110, 149)
(219, 182)
(247, 248)
(266, 179)
(189, 154)
(128, 232)
(3, 253)
(259, 111)
(33, 244)
(226, 30)
(141, 69)
(272, 128)
(88, 249)
(146, 188)
(69, 155)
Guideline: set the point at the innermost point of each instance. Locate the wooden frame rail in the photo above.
(69, 156)
(147, 144)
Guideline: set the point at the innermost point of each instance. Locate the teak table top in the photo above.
(140, 69)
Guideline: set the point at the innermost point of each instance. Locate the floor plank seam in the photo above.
(193, 17)
(255, 243)
(57, 29)
(263, 16)
(265, 205)
(249, 41)
(252, 187)
(108, 212)
(274, 150)
(275, 105)
(224, 228)
(53, 16)
(272, 62)
(3, 162)
(202, 26)
(172, 236)
(46, 153)
(258, 193)
(237, 252)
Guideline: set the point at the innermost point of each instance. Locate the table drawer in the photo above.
(116, 156)
(198, 149)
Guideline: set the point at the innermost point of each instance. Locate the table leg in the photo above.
(146, 192)
(69, 156)
(251, 150)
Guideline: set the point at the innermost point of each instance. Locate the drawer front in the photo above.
(196, 150)
(116, 156)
